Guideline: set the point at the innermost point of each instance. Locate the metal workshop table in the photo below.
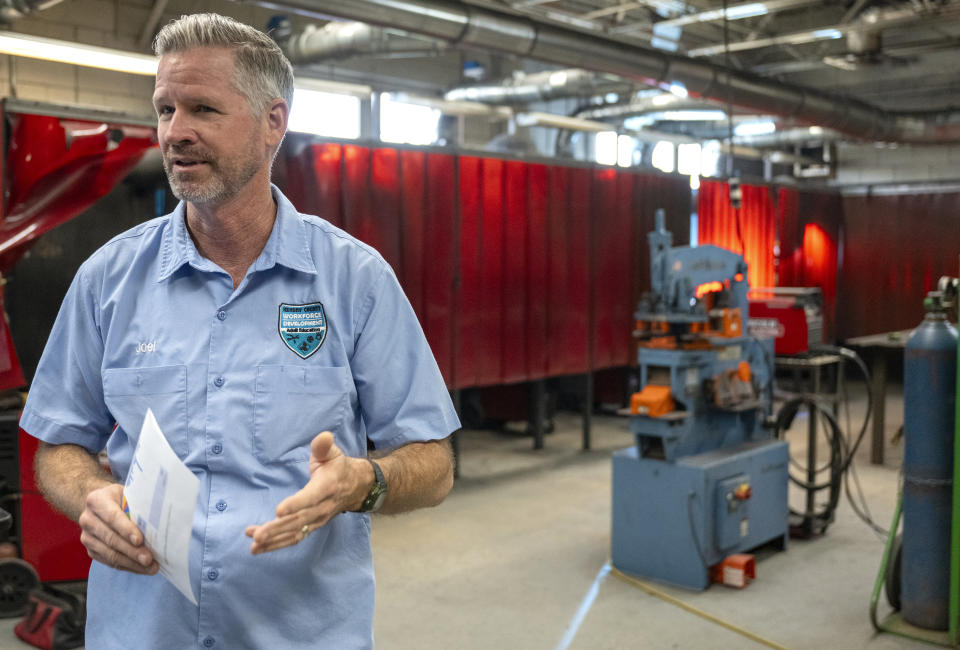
(879, 348)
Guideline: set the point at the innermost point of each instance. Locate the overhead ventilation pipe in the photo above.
(11, 10)
(538, 87)
(647, 105)
(339, 40)
(476, 27)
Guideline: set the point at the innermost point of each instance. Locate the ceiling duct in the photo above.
(646, 105)
(540, 86)
(471, 26)
(864, 32)
(338, 40)
(11, 10)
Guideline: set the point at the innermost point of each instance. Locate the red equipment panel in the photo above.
(50, 541)
(58, 168)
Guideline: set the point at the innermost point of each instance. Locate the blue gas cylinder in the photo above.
(929, 395)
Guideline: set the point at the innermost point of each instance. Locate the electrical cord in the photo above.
(840, 463)
(818, 519)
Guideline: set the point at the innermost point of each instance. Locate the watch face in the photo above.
(377, 492)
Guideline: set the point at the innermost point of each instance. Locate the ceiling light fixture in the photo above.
(91, 56)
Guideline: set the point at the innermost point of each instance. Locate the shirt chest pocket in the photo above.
(129, 392)
(291, 405)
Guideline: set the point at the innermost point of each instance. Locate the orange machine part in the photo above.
(736, 570)
(732, 324)
(655, 398)
(743, 371)
(660, 342)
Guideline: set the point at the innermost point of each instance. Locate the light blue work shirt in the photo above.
(240, 387)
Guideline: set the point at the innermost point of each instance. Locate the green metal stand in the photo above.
(954, 611)
(894, 623)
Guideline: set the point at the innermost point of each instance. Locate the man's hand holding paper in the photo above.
(160, 497)
(109, 535)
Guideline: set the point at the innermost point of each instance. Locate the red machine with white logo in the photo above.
(792, 315)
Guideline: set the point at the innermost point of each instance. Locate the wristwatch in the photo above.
(377, 493)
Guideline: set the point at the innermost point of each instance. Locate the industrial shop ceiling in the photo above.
(862, 65)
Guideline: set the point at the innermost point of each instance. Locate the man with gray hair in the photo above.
(274, 350)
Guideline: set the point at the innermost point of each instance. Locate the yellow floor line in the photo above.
(653, 591)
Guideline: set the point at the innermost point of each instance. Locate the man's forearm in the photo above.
(66, 474)
(418, 475)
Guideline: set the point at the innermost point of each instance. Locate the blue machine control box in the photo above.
(673, 520)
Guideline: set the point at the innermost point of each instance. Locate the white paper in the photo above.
(159, 497)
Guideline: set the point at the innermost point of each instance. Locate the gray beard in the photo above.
(222, 185)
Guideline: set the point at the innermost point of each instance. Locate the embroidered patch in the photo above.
(302, 327)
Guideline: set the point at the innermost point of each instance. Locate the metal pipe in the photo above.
(871, 22)
(340, 40)
(150, 26)
(471, 26)
(539, 86)
(11, 10)
(735, 12)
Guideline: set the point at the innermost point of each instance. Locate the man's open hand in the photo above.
(337, 483)
(109, 535)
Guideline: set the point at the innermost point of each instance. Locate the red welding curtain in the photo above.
(895, 249)
(748, 231)
(808, 226)
(517, 270)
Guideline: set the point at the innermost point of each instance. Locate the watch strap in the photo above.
(378, 491)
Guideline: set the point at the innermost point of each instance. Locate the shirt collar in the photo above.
(288, 245)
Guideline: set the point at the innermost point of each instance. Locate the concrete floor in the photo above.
(510, 557)
(513, 555)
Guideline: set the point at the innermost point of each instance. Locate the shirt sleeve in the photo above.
(403, 397)
(65, 403)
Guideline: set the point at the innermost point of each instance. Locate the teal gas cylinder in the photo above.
(929, 396)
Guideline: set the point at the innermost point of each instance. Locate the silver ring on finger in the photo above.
(304, 532)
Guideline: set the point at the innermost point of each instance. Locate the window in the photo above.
(625, 147)
(327, 114)
(606, 148)
(688, 162)
(613, 149)
(405, 123)
(662, 156)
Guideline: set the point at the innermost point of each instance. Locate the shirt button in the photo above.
(218, 382)
(209, 642)
(221, 505)
(212, 574)
(217, 448)
(221, 314)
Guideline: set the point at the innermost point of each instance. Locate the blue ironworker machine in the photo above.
(705, 479)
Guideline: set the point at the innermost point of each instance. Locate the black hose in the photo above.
(841, 451)
(819, 520)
